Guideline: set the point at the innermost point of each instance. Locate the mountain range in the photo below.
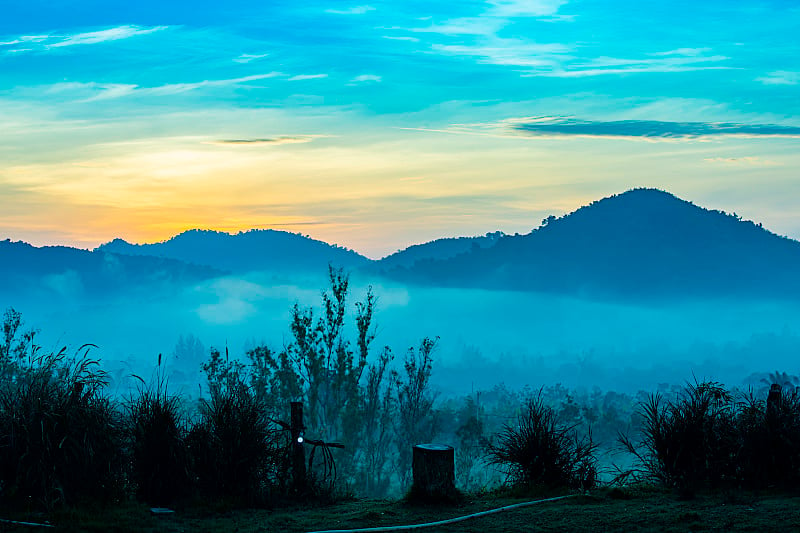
(638, 244)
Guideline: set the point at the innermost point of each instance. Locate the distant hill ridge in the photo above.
(246, 251)
(26, 269)
(444, 248)
(642, 243)
(637, 243)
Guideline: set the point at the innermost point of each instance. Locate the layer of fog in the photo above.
(485, 338)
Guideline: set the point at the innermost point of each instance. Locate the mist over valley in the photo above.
(630, 292)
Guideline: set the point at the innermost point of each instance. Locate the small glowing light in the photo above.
(300, 439)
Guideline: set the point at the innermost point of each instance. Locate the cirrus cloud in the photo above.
(282, 139)
(366, 78)
(356, 10)
(780, 77)
(741, 161)
(647, 129)
(43, 43)
(554, 127)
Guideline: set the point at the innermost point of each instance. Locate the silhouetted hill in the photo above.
(26, 269)
(641, 243)
(254, 250)
(437, 250)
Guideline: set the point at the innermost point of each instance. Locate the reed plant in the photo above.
(60, 436)
(157, 429)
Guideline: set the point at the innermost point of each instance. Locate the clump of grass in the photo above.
(686, 443)
(705, 438)
(159, 454)
(234, 446)
(539, 451)
(769, 440)
(60, 437)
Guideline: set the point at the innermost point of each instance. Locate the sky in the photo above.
(375, 125)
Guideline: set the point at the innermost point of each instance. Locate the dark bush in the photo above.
(538, 451)
(60, 438)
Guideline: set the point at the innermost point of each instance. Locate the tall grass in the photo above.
(60, 437)
(769, 441)
(538, 451)
(706, 438)
(160, 468)
(688, 442)
(237, 453)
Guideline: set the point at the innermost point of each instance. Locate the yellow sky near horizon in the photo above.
(373, 187)
(372, 198)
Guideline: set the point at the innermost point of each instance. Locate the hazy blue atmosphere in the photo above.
(715, 319)
(307, 257)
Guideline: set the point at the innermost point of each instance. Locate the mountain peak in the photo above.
(639, 242)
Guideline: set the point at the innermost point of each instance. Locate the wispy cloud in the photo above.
(301, 77)
(356, 10)
(669, 59)
(741, 161)
(248, 58)
(554, 127)
(401, 38)
(366, 78)
(111, 34)
(683, 52)
(51, 41)
(524, 8)
(497, 15)
(682, 60)
(483, 37)
(93, 91)
(25, 39)
(561, 60)
(110, 91)
(176, 88)
(653, 130)
(780, 77)
(283, 139)
(479, 26)
(643, 69)
(513, 52)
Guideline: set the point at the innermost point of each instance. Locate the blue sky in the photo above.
(376, 125)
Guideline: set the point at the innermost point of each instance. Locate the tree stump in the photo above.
(433, 466)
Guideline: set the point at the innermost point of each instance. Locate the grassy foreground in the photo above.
(603, 510)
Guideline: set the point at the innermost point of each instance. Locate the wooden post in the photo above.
(298, 450)
(433, 466)
(774, 398)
